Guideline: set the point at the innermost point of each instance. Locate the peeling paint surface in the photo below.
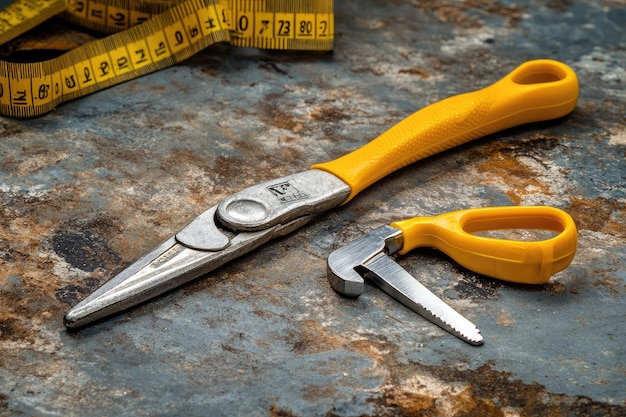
(92, 186)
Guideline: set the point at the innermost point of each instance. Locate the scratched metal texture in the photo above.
(90, 187)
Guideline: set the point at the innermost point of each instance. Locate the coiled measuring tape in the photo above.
(149, 35)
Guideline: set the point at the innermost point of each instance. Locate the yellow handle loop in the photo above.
(527, 262)
(535, 91)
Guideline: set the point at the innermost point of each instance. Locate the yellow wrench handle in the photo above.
(527, 262)
(535, 91)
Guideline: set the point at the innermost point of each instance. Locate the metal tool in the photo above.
(534, 91)
(528, 262)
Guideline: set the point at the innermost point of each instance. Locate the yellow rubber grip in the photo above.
(535, 91)
(527, 262)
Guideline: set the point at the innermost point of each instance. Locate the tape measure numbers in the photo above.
(290, 24)
(145, 42)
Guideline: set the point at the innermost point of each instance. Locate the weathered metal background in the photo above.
(92, 186)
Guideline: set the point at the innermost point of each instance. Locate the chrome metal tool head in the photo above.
(368, 257)
(345, 265)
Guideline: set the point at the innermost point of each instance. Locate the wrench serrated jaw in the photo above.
(399, 284)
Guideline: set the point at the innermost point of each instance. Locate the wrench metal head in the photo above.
(345, 265)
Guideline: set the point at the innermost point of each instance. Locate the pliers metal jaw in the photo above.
(254, 216)
(169, 266)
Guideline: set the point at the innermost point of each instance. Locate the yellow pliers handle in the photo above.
(527, 262)
(535, 91)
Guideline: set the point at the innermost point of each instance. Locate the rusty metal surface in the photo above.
(89, 188)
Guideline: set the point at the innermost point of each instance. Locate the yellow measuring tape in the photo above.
(151, 35)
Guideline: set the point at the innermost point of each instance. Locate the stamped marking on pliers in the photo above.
(287, 192)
